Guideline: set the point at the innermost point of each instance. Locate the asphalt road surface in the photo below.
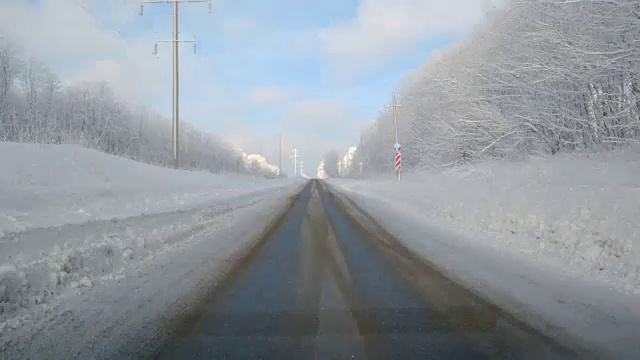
(324, 285)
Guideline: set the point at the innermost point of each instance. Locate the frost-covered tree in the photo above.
(537, 76)
(330, 162)
(35, 107)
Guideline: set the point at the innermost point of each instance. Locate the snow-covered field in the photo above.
(581, 212)
(72, 219)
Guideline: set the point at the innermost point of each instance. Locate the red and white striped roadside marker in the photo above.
(398, 150)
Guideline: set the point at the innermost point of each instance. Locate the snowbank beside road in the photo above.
(586, 315)
(555, 241)
(73, 218)
(577, 211)
(130, 314)
(51, 185)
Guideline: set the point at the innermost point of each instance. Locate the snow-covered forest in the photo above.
(536, 77)
(36, 107)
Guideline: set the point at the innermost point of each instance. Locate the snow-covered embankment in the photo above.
(72, 218)
(580, 212)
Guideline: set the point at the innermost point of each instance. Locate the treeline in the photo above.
(36, 108)
(538, 76)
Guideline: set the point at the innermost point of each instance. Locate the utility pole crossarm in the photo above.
(171, 41)
(176, 68)
(155, 47)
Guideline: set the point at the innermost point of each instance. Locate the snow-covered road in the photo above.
(131, 310)
(97, 260)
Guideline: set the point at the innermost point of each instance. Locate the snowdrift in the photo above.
(50, 185)
(577, 211)
(72, 217)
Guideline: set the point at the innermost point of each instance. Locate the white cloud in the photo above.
(238, 27)
(365, 124)
(250, 141)
(55, 30)
(315, 127)
(133, 74)
(383, 28)
(312, 126)
(315, 114)
(268, 95)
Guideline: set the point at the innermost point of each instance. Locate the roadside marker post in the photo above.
(398, 160)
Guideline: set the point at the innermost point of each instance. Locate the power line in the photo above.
(126, 3)
(136, 10)
(103, 23)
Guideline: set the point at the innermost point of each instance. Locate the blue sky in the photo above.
(324, 68)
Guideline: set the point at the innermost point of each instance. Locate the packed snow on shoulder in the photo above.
(73, 218)
(579, 211)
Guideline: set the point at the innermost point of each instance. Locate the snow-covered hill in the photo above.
(49, 185)
(75, 218)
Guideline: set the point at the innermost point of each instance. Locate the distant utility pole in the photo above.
(295, 162)
(176, 69)
(280, 156)
(396, 147)
(301, 167)
(395, 116)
